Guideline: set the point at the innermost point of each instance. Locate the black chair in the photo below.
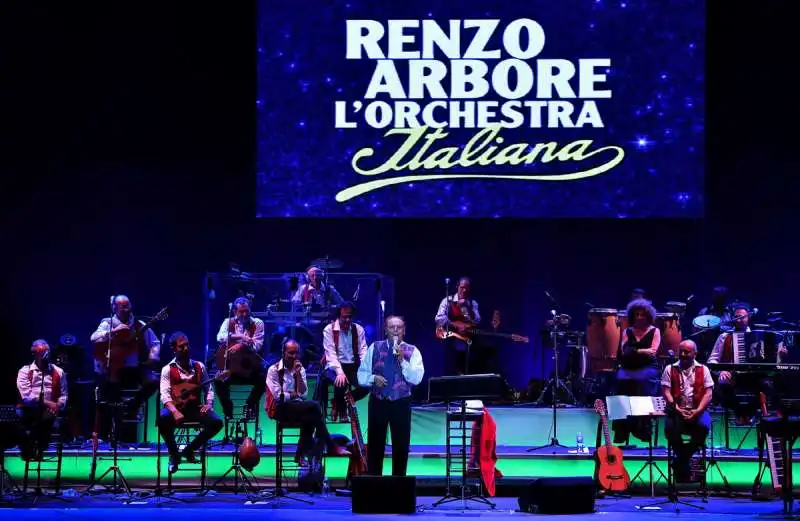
(47, 463)
(184, 434)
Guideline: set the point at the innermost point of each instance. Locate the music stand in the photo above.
(451, 389)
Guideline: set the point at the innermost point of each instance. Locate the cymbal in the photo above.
(327, 263)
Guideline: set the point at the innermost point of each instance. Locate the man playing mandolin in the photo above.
(687, 387)
(458, 312)
(136, 345)
(243, 335)
(187, 395)
(286, 401)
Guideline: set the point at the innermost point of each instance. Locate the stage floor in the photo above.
(233, 507)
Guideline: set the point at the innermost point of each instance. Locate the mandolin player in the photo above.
(245, 337)
(185, 403)
(288, 387)
(458, 312)
(135, 370)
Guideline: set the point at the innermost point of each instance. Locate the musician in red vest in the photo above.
(345, 343)
(42, 388)
(753, 383)
(461, 308)
(246, 332)
(197, 407)
(687, 387)
(390, 369)
(288, 387)
(315, 291)
(138, 370)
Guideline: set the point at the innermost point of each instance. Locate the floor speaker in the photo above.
(559, 496)
(384, 494)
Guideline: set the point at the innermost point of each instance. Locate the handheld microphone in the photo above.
(447, 280)
(553, 312)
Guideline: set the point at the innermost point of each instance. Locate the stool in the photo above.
(239, 396)
(183, 436)
(280, 467)
(141, 415)
(730, 423)
(36, 467)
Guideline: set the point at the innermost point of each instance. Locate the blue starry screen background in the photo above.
(656, 113)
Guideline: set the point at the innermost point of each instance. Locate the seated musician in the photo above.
(242, 332)
(137, 370)
(457, 313)
(345, 343)
(687, 387)
(42, 388)
(315, 291)
(751, 384)
(390, 369)
(197, 407)
(288, 387)
(637, 374)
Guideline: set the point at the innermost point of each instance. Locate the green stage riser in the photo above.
(142, 468)
(516, 426)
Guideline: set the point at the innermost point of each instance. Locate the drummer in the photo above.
(638, 369)
(720, 307)
(315, 291)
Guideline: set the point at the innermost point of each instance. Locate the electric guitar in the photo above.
(185, 393)
(466, 333)
(609, 471)
(358, 458)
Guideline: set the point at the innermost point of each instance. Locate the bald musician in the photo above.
(315, 291)
(687, 387)
(462, 308)
(42, 388)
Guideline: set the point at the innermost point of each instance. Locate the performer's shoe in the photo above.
(300, 460)
(189, 455)
(338, 451)
(174, 462)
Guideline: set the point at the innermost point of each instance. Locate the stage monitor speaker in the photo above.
(559, 496)
(384, 495)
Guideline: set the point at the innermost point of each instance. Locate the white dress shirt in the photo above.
(150, 340)
(345, 355)
(29, 384)
(240, 329)
(687, 381)
(274, 383)
(185, 375)
(413, 369)
(442, 319)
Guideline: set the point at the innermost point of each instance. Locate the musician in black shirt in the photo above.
(637, 374)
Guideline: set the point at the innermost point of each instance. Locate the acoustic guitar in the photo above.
(125, 343)
(358, 452)
(609, 471)
(243, 362)
(188, 392)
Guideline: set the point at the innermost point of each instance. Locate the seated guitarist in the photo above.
(286, 402)
(345, 343)
(457, 313)
(137, 368)
(687, 388)
(42, 388)
(242, 332)
(198, 406)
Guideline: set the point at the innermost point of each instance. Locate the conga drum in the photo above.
(670, 326)
(602, 337)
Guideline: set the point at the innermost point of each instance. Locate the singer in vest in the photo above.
(687, 387)
(197, 406)
(249, 332)
(315, 291)
(42, 388)
(390, 369)
(345, 344)
(288, 387)
(637, 374)
(453, 311)
(137, 370)
(744, 383)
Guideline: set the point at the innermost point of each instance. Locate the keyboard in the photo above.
(753, 367)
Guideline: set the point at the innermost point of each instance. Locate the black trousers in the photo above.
(385, 415)
(749, 384)
(140, 377)
(308, 414)
(211, 423)
(223, 390)
(697, 430)
(350, 371)
(36, 431)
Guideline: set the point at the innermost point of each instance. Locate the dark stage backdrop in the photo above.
(131, 171)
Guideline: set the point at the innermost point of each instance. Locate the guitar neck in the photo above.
(606, 432)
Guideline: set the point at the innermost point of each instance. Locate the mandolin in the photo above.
(358, 458)
(609, 471)
(188, 392)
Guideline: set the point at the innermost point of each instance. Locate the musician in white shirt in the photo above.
(42, 388)
(687, 387)
(723, 352)
(456, 313)
(345, 343)
(288, 387)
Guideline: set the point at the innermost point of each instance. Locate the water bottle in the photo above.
(260, 437)
(326, 487)
(579, 442)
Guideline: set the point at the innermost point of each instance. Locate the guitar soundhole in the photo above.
(612, 459)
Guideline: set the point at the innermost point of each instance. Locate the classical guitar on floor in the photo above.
(609, 471)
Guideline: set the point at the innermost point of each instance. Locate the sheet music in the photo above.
(621, 407)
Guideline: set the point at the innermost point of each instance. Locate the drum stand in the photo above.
(555, 384)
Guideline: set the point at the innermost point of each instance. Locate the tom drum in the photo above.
(670, 326)
(602, 338)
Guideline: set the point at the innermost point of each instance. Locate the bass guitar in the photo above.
(609, 471)
(465, 332)
(187, 393)
(358, 458)
(125, 343)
